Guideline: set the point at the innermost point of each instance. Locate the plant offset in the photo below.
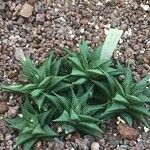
(79, 97)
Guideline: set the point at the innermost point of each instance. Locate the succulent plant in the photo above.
(76, 114)
(96, 94)
(89, 64)
(128, 99)
(32, 126)
(40, 80)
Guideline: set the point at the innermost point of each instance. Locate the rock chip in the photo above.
(26, 10)
(95, 146)
(145, 7)
(74, 136)
(40, 18)
(127, 132)
(129, 53)
(13, 111)
(3, 107)
(19, 54)
(38, 145)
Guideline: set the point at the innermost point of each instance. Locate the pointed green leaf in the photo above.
(65, 117)
(120, 99)
(29, 144)
(74, 115)
(80, 81)
(56, 66)
(84, 49)
(38, 130)
(45, 82)
(127, 118)
(36, 92)
(86, 118)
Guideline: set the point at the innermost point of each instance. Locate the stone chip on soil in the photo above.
(3, 107)
(95, 146)
(26, 10)
(19, 54)
(127, 132)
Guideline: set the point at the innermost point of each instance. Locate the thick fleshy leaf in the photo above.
(45, 82)
(92, 109)
(110, 43)
(28, 145)
(111, 82)
(45, 116)
(120, 99)
(127, 118)
(68, 128)
(54, 82)
(27, 130)
(113, 109)
(77, 72)
(48, 132)
(80, 81)
(23, 138)
(96, 54)
(30, 71)
(65, 117)
(140, 109)
(17, 123)
(141, 118)
(62, 86)
(74, 116)
(38, 130)
(103, 86)
(76, 63)
(139, 87)
(56, 101)
(95, 72)
(63, 101)
(119, 88)
(36, 92)
(133, 100)
(143, 98)
(84, 49)
(27, 105)
(55, 67)
(128, 77)
(39, 100)
(86, 118)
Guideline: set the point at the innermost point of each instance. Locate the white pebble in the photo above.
(106, 31)
(82, 30)
(129, 32)
(145, 7)
(108, 1)
(99, 4)
(96, 27)
(120, 41)
(142, 52)
(146, 129)
(95, 146)
(72, 36)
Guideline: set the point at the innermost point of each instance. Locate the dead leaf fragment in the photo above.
(127, 132)
(26, 10)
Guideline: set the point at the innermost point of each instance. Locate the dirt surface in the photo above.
(63, 23)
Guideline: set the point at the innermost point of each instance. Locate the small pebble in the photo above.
(95, 146)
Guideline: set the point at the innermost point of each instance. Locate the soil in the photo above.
(59, 23)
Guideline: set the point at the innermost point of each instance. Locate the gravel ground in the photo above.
(63, 23)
